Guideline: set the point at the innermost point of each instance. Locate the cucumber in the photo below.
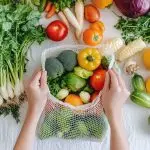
(138, 83)
(141, 98)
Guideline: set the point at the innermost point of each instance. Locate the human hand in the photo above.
(37, 92)
(114, 94)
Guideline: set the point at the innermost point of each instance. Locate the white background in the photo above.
(135, 117)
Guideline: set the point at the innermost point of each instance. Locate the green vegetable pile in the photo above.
(132, 29)
(64, 74)
(18, 31)
(40, 4)
(62, 123)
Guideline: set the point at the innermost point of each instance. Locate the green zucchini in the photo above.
(138, 83)
(141, 98)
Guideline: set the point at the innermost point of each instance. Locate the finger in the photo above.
(35, 72)
(120, 80)
(107, 82)
(114, 81)
(43, 80)
(36, 78)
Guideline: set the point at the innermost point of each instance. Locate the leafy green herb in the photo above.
(18, 30)
(62, 4)
(132, 29)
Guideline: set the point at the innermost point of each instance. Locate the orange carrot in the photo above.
(51, 12)
(48, 7)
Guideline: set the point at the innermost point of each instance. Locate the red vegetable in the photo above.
(91, 13)
(93, 96)
(57, 30)
(97, 80)
(133, 8)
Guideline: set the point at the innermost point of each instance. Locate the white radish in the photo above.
(10, 90)
(21, 86)
(79, 10)
(17, 90)
(3, 92)
(71, 18)
(1, 100)
(63, 18)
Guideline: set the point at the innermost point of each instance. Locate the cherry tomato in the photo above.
(97, 80)
(57, 30)
(92, 37)
(93, 96)
(92, 14)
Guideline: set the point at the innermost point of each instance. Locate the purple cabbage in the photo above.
(133, 8)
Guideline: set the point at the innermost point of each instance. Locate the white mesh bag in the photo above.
(62, 120)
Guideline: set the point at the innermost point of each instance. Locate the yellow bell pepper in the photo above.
(89, 58)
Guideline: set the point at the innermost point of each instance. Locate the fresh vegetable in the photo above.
(63, 123)
(85, 97)
(92, 37)
(98, 79)
(111, 46)
(83, 73)
(74, 100)
(51, 12)
(88, 89)
(54, 85)
(133, 8)
(102, 3)
(141, 98)
(93, 96)
(71, 18)
(146, 58)
(132, 29)
(131, 49)
(48, 7)
(54, 68)
(63, 18)
(69, 59)
(18, 30)
(62, 94)
(131, 67)
(149, 120)
(74, 82)
(64, 6)
(148, 85)
(89, 58)
(42, 5)
(79, 11)
(91, 13)
(138, 83)
(107, 62)
(57, 30)
(98, 25)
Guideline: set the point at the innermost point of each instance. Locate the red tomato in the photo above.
(57, 30)
(93, 96)
(97, 80)
(91, 13)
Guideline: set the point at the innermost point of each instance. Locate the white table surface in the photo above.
(135, 117)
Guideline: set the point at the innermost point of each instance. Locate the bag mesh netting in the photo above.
(62, 120)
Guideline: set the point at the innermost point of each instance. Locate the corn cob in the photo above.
(131, 49)
(111, 46)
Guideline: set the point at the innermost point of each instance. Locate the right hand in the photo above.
(37, 91)
(114, 94)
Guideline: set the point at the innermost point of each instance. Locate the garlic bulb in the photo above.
(131, 67)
